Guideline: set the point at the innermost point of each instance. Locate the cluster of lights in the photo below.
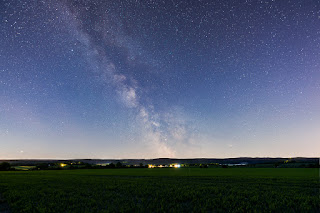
(150, 166)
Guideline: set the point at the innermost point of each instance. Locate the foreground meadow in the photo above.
(162, 190)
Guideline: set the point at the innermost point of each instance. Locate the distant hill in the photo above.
(160, 161)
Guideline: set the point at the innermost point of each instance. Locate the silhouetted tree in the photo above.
(313, 165)
(5, 166)
(42, 166)
(72, 167)
(119, 165)
(203, 166)
(87, 166)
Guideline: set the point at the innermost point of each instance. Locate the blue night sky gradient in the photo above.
(148, 79)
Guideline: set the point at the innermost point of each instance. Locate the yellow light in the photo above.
(150, 166)
(63, 164)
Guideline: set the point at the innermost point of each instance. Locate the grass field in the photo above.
(162, 190)
(24, 168)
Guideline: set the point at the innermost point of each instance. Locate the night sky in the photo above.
(149, 79)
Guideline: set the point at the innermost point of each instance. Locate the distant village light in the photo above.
(162, 166)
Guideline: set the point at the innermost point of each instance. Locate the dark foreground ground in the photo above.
(161, 190)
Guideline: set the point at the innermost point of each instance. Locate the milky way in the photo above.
(146, 79)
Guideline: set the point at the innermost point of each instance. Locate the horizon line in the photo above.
(11, 159)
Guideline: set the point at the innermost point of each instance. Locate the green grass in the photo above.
(163, 190)
(24, 168)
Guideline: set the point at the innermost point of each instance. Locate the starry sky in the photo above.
(159, 78)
